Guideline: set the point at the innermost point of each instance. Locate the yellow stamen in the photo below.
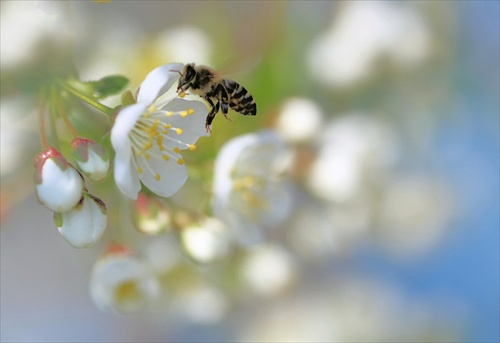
(166, 157)
(139, 170)
(190, 111)
(169, 113)
(146, 155)
(157, 177)
(179, 131)
(151, 108)
(182, 94)
(184, 114)
(192, 147)
(177, 150)
(180, 161)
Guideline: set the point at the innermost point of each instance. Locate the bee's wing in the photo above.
(238, 66)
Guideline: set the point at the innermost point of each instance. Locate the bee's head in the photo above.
(188, 74)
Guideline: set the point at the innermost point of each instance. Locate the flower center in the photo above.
(251, 198)
(153, 137)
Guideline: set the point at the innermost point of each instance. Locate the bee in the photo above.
(219, 92)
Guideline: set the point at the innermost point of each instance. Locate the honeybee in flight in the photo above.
(219, 92)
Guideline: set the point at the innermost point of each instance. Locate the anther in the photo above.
(178, 131)
(180, 161)
(192, 147)
(157, 177)
(177, 150)
(139, 170)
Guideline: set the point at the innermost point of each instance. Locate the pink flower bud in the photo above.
(58, 184)
(91, 158)
(150, 215)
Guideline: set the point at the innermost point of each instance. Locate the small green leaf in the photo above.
(109, 85)
(127, 98)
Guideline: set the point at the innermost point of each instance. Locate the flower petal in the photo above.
(193, 125)
(124, 123)
(172, 176)
(158, 81)
(126, 177)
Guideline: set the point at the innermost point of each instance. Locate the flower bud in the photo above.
(206, 242)
(122, 282)
(91, 158)
(84, 224)
(150, 215)
(58, 184)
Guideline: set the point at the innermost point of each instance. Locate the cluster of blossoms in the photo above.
(147, 137)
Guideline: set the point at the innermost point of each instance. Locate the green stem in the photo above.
(41, 120)
(85, 98)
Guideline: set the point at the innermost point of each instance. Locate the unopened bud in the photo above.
(58, 184)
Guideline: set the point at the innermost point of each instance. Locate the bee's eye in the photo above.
(190, 73)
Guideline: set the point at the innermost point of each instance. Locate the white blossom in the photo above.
(121, 282)
(149, 135)
(249, 191)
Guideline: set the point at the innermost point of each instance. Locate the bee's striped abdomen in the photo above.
(239, 99)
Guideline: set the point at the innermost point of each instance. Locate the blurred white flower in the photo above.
(84, 224)
(206, 242)
(150, 215)
(58, 184)
(91, 158)
(354, 149)
(347, 309)
(414, 213)
(148, 136)
(299, 120)
(268, 269)
(163, 253)
(18, 134)
(364, 32)
(187, 44)
(249, 191)
(327, 233)
(24, 24)
(123, 283)
(201, 303)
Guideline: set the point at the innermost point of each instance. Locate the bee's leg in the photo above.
(211, 115)
(224, 108)
(208, 97)
(223, 98)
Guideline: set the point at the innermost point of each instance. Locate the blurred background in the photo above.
(392, 113)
